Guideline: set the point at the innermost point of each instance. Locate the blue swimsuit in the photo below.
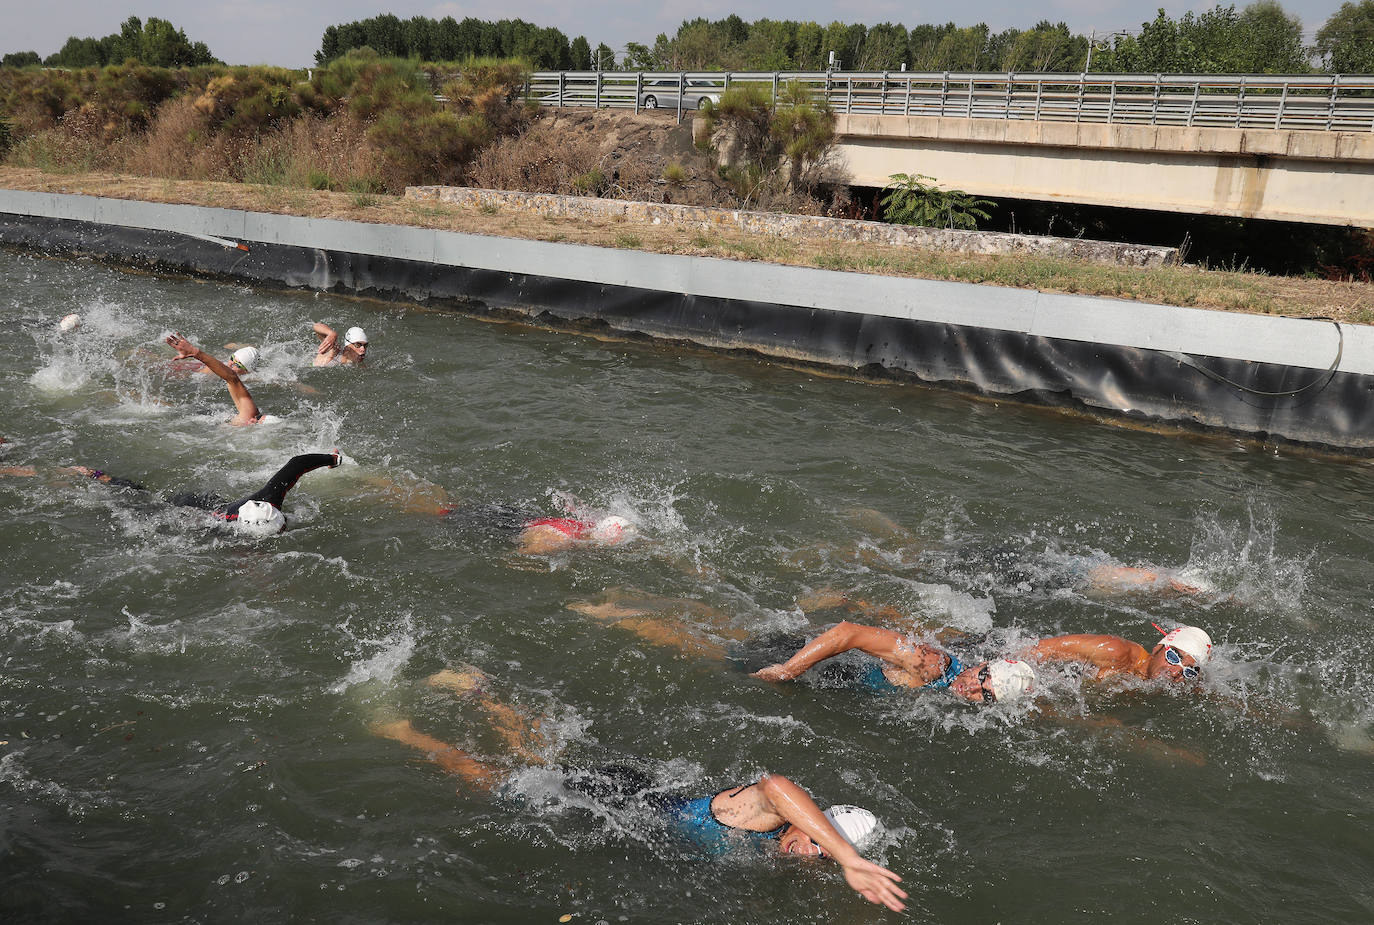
(874, 680)
(695, 821)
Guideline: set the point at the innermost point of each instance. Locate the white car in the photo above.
(663, 92)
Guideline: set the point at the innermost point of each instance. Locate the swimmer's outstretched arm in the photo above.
(452, 759)
(105, 477)
(841, 637)
(1105, 653)
(794, 805)
(248, 412)
(285, 479)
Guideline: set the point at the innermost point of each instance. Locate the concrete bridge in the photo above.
(1284, 147)
(1290, 175)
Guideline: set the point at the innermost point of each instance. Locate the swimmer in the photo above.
(69, 323)
(534, 534)
(544, 536)
(911, 664)
(243, 361)
(1179, 656)
(258, 514)
(247, 409)
(772, 808)
(353, 350)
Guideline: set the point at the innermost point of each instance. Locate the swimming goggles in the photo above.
(988, 696)
(1171, 656)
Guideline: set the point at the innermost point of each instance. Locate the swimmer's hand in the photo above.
(182, 346)
(338, 458)
(875, 884)
(327, 343)
(774, 673)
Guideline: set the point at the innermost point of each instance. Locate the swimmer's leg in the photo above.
(414, 496)
(519, 730)
(452, 759)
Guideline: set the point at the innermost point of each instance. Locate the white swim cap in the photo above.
(1190, 641)
(70, 323)
(855, 823)
(247, 357)
(1010, 679)
(258, 518)
(355, 335)
(610, 531)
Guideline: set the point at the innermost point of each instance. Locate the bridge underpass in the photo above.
(1284, 175)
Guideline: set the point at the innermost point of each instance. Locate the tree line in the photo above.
(1259, 38)
(156, 43)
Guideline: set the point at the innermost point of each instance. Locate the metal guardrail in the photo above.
(1304, 102)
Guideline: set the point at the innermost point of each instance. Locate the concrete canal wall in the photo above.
(1278, 379)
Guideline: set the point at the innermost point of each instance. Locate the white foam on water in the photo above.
(385, 658)
(17, 775)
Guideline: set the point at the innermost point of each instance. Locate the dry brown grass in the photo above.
(1187, 286)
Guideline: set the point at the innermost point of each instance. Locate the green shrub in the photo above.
(590, 183)
(912, 202)
(774, 149)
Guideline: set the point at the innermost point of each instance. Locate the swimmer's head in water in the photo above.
(70, 323)
(612, 531)
(854, 823)
(258, 518)
(1003, 681)
(355, 335)
(245, 358)
(1181, 654)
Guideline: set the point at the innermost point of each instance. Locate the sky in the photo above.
(287, 32)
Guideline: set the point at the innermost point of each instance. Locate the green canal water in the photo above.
(186, 714)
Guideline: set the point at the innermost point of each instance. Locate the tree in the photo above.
(21, 59)
(1262, 38)
(1272, 40)
(162, 44)
(1346, 41)
(157, 43)
(581, 53)
(603, 59)
(846, 41)
(884, 49)
(810, 55)
(771, 46)
(638, 58)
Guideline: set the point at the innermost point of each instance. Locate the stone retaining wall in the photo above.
(800, 227)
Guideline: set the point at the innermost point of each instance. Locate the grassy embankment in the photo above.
(346, 142)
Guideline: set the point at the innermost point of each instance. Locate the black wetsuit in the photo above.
(274, 492)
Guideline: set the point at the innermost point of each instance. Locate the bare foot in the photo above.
(400, 730)
(464, 681)
(607, 611)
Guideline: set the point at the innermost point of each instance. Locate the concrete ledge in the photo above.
(800, 227)
(1345, 146)
(1277, 379)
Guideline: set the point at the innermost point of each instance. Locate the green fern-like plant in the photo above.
(911, 201)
